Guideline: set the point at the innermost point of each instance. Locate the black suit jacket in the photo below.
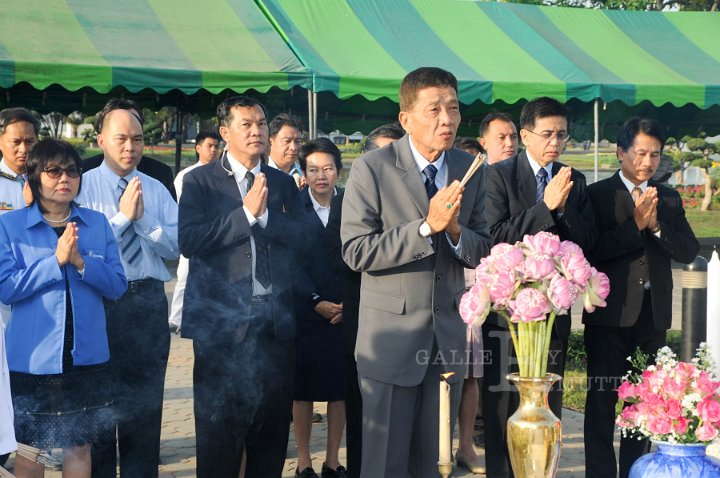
(315, 274)
(512, 213)
(621, 250)
(147, 165)
(214, 235)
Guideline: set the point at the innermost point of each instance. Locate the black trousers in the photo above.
(243, 401)
(353, 418)
(139, 346)
(500, 398)
(607, 352)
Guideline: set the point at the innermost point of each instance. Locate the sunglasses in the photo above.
(54, 172)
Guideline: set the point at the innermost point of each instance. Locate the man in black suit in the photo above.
(641, 228)
(152, 167)
(236, 228)
(529, 193)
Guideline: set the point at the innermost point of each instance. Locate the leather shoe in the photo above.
(306, 473)
(475, 468)
(339, 472)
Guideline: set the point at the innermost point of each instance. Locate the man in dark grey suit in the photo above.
(410, 229)
(642, 227)
(529, 193)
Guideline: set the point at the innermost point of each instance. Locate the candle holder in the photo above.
(445, 469)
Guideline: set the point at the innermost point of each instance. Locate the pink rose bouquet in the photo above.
(671, 401)
(528, 284)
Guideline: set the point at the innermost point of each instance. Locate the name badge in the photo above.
(6, 206)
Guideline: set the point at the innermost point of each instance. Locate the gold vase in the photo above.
(533, 431)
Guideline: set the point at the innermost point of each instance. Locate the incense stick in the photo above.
(477, 162)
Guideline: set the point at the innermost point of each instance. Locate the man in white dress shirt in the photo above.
(285, 137)
(143, 217)
(207, 149)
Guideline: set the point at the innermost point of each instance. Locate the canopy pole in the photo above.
(596, 114)
(314, 100)
(178, 136)
(311, 116)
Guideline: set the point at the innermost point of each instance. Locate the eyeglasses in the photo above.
(54, 172)
(561, 136)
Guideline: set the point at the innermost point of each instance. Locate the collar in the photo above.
(239, 170)
(629, 185)
(6, 169)
(34, 216)
(536, 166)
(421, 161)
(112, 177)
(294, 169)
(317, 205)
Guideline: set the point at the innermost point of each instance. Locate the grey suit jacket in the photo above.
(411, 287)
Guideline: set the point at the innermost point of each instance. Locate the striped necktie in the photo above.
(541, 179)
(130, 247)
(430, 186)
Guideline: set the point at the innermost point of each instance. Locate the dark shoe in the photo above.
(306, 473)
(328, 472)
(317, 418)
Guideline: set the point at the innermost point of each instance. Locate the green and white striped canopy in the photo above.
(502, 51)
(138, 44)
(498, 51)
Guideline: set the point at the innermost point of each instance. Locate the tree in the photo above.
(703, 150)
(54, 124)
(76, 118)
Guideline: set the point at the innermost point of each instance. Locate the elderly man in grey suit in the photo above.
(410, 229)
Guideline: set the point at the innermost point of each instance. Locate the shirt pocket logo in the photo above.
(95, 254)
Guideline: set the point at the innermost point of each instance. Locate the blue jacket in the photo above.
(34, 285)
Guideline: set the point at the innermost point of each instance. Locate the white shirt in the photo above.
(157, 229)
(239, 172)
(178, 183)
(322, 212)
(536, 167)
(440, 180)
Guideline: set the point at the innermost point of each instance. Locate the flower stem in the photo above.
(513, 334)
(548, 333)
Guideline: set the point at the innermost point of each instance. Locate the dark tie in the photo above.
(130, 247)
(430, 173)
(262, 257)
(541, 179)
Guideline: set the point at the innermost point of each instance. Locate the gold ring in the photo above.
(449, 205)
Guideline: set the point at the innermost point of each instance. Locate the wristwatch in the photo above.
(425, 230)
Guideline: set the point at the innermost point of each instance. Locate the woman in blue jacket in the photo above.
(57, 263)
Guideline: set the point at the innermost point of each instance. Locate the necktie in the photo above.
(21, 179)
(130, 247)
(430, 173)
(636, 193)
(541, 179)
(262, 256)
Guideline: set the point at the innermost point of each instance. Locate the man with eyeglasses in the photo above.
(529, 193)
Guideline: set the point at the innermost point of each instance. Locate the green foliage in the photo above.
(79, 145)
(696, 144)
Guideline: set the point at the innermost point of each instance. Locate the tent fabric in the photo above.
(138, 44)
(504, 51)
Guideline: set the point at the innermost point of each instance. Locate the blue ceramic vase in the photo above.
(676, 461)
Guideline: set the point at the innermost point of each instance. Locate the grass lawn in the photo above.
(704, 224)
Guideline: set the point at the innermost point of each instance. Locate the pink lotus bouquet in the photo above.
(529, 283)
(671, 401)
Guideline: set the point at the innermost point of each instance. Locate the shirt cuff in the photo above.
(250, 218)
(457, 249)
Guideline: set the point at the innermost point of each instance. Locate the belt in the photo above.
(137, 286)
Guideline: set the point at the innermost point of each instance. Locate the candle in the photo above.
(713, 307)
(445, 446)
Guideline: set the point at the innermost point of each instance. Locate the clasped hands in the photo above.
(131, 202)
(645, 214)
(256, 198)
(67, 248)
(330, 310)
(558, 189)
(445, 210)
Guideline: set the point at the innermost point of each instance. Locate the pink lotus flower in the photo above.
(543, 243)
(709, 410)
(576, 268)
(706, 432)
(530, 305)
(569, 247)
(502, 287)
(506, 257)
(598, 288)
(475, 305)
(538, 267)
(562, 293)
